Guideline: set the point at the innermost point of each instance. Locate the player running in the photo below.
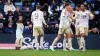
(19, 33)
(37, 19)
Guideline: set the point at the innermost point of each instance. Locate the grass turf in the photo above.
(48, 53)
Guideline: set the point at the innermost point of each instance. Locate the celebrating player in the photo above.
(37, 19)
(70, 35)
(19, 33)
(77, 18)
(84, 25)
(64, 27)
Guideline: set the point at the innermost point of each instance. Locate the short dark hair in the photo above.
(67, 4)
(83, 5)
(38, 6)
(78, 5)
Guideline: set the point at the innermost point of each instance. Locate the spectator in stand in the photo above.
(1, 5)
(79, 1)
(26, 29)
(45, 10)
(10, 20)
(27, 14)
(9, 15)
(42, 2)
(17, 13)
(53, 11)
(9, 7)
(2, 21)
(94, 25)
(9, 28)
(97, 5)
(89, 1)
(53, 8)
(26, 2)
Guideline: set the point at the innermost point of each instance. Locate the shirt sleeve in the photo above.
(43, 19)
(32, 17)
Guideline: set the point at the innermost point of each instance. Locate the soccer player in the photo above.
(77, 18)
(37, 19)
(19, 33)
(64, 27)
(71, 35)
(84, 25)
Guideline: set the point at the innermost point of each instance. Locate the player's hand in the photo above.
(46, 26)
(30, 26)
(70, 16)
(56, 26)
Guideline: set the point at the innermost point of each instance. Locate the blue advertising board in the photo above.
(92, 41)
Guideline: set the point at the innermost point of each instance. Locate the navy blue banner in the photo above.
(92, 41)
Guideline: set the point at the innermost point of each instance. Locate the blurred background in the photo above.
(11, 9)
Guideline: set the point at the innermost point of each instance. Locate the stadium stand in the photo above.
(9, 18)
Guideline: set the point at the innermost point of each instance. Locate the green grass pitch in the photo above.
(58, 52)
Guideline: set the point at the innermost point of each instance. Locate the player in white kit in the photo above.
(84, 25)
(37, 19)
(19, 33)
(71, 18)
(64, 27)
(77, 18)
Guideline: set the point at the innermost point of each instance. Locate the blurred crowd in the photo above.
(10, 10)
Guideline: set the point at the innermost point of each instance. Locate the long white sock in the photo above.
(81, 42)
(84, 44)
(69, 42)
(78, 40)
(64, 43)
(54, 42)
(41, 41)
(36, 42)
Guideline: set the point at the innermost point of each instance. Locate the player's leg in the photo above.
(64, 42)
(86, 34)
(36, 33)
(70, 36)
(78, 40)
(82, 34)
(56, 39)
(78, 36)
(17, 43)
(21, 41)
(42, 37)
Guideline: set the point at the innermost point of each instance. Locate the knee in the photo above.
(42, 35)
(59, 36)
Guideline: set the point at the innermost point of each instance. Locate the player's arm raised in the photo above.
(74, 16)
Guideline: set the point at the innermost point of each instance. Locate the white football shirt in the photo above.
(84, 20)
(37, 18)
(64, 23)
